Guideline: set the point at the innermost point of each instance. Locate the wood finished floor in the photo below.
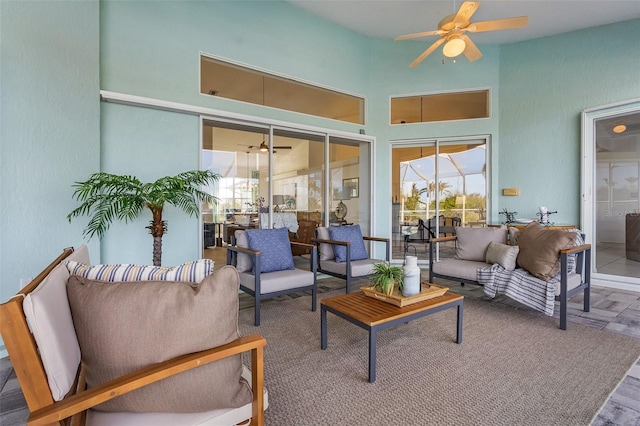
(617, 311)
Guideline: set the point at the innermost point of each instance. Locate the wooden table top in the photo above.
(372, 312)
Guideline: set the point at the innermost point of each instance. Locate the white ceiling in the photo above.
(387, 19)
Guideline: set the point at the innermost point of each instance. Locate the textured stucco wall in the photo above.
(49, 132)
(544, 86)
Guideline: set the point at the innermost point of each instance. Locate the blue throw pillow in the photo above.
(274, 247)
(353, 234)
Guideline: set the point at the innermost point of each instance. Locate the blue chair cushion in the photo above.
(353, 234)
(274, 247)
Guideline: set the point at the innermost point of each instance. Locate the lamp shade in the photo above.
(454, 47)
(278, 199)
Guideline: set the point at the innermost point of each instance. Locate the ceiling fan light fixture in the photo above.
(619, 128)
(264, 147)
(454, 47)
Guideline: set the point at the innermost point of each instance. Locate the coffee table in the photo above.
(374, 315)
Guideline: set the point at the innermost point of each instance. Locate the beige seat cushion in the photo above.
(466, 269)
(359, 268)
(126, 326)
(271, 282)
(47, 311)
(206, 418)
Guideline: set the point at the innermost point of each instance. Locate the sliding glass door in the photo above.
(437, 185)
(610, 213)
(273, 172)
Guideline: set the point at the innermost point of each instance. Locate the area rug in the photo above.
(513, 367)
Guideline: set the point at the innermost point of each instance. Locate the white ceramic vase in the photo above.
(411, 285)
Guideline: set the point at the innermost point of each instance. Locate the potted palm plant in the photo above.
(386, 276)
(106, 197)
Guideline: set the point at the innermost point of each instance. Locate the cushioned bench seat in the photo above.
(539, 266)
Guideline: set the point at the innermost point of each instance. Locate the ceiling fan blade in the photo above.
(499, 24)
(467, 9)
(426, 53)
(471, 51)
(416, 35)
(281, 147)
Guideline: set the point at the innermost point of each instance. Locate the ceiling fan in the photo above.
(264, 147)
(452, 31)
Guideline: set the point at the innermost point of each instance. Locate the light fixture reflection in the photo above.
(619, 128)
(454, 47)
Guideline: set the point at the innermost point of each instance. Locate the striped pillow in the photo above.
(194, 271)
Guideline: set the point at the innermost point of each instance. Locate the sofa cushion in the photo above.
(503, 254)
(466, 269)
(274, 246)
(352, 234)
(244, 262)
(49, 317)
(540, 249)
(326, 250)
(123, 327)
(189, 272)
(472, 243)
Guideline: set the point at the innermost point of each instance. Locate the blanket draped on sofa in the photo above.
(519, 285)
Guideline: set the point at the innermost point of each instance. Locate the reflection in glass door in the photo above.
(282, 183)
(437, 186)
(617, 205)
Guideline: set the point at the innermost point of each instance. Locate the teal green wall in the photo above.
(50, 124)
(150, 144)
(49, 130)
(544, 85)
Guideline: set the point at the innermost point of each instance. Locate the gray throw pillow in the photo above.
(502, 254)
(125, 326)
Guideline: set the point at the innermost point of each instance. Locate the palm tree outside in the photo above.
(106, 197)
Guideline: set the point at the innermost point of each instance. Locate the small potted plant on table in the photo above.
(386, 276)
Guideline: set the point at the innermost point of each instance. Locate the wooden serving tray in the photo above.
(427, 291)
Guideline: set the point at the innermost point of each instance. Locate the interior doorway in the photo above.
(611, 206)
(436, 186)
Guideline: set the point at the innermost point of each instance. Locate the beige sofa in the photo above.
(536, 266)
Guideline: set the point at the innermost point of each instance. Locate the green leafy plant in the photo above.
(386, 276)
(106, 197)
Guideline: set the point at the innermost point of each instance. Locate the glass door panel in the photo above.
(349, 183)
(260, 179)
(436, 186)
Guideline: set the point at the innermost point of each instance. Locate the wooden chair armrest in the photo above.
(442, 239)
(382, 240)
(91, 397)
(245, 250)
(576, 249)
(302, 245)
(340, 243)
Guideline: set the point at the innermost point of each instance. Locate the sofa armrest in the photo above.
(89, 398)
(576, 249)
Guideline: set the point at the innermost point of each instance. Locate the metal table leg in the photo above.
(459, 324)
(323, 327)
(372, 354)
